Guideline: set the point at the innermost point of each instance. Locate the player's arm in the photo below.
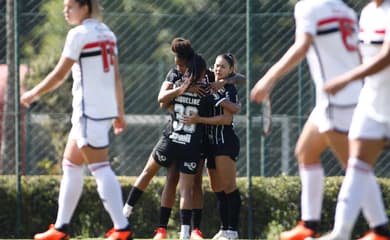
(235, 78)
(230, 106)
(53, 80)
(119, 122)
(225, 119)
(290, 59)
(168, 93)
(378, 63)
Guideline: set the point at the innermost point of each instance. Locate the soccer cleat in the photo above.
(161, 233)
(51, 234)
(127, 209)
(196, 234)
(299, 232)
(371, 235)
(219, 234)
(330, 236)
(114, 234)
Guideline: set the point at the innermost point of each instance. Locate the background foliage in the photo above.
(275, 208)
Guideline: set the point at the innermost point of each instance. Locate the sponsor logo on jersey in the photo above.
(180, 138)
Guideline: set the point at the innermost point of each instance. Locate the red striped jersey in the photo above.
(334, 50)
(92, 45)
(374, 26)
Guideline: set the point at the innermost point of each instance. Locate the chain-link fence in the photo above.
(145, 29)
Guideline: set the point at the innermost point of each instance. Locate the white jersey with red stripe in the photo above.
(92, 44)
(334, 28)
(374, 30)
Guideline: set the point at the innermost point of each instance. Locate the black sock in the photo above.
(382, 230)
(185, 216)
(134, 194)
(196, 218)
(165, 213)
(234, 207)
(223, 209)
(313, 225)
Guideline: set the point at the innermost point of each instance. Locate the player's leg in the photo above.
(197, 198)
(186, 182)
(217, 188)
(168, 198)
(366, 143)
(93, 142)
(226, 172)
(157, 159)
(310, 145)
(150, 170)
(70, 192)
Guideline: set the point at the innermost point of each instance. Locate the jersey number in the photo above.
(107, 56)
(348, 32)
(180, 111)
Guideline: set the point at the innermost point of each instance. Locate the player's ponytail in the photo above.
(196, 68)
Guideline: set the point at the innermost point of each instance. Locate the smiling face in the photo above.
(74, 13)
(222, 68)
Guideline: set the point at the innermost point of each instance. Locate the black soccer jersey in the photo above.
(186, 104)
(218, 133)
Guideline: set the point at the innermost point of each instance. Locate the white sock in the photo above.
(351, 194)
(185, 232)
(70, 192)
(372, 205)
(312, 181)
(110, 192)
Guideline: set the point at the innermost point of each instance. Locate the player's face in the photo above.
(74, 13)
(222, 69)
(181, 65)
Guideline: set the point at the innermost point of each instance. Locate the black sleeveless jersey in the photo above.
(217, 133)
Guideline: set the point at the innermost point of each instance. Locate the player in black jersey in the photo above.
(224, 145)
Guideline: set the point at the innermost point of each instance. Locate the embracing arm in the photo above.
(225, 119)
(236, 78)
(230, 106)
(53, 80)
(378, 63)
(168, 93)
(290, 59)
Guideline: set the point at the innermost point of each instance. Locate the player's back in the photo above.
(334, 51)
(94, 73)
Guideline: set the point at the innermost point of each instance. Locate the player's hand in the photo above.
(260, 91)
(119, 124)
(199, 89)
(27, 98)
(335, 85)
(191, 119)
(186, 84)
(217, 85)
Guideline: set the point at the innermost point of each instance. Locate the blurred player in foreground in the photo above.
(370, 128)
(326, 33)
